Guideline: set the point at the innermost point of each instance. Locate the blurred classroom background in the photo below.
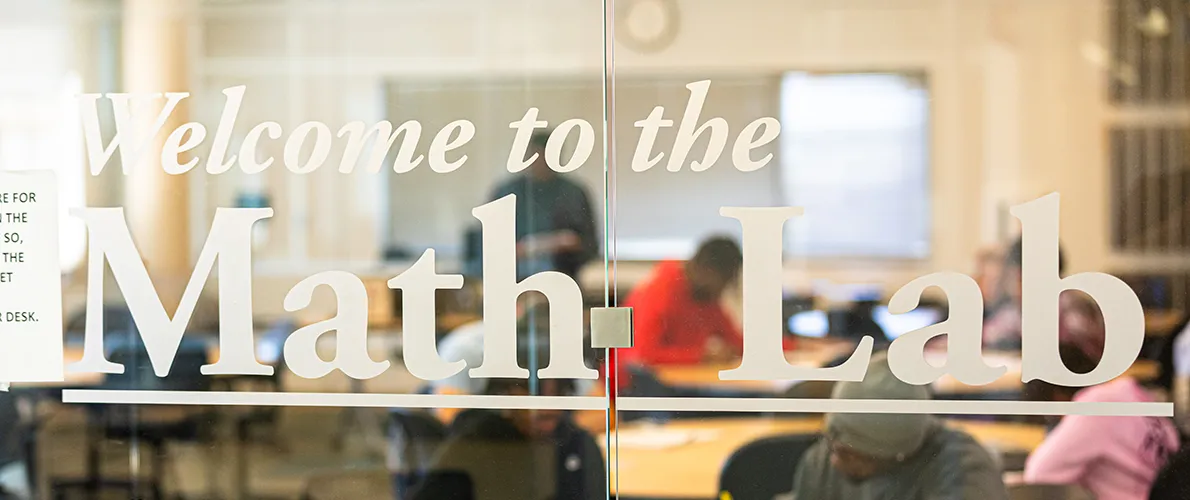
(909, 128)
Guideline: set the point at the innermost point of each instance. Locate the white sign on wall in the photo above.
(30, 278)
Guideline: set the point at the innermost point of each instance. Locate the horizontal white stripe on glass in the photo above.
(934, 406)
(765, 405)
(219, 398)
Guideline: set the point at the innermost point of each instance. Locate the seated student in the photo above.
(518, 454)
(867, 456)
(1080, 323)
(1112, 457)
(677, 313)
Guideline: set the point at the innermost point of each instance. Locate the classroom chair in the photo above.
(1161, 349)
(413, 438)
(268, 351)
(442, 485)
(764, 469)
(258, 424)
(152, 426)
(1013, 461)
(1048, 492)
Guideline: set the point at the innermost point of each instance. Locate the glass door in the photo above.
(837, 227)
(655, 249)
(309, 249)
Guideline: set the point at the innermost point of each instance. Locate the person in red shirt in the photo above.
(677, 313)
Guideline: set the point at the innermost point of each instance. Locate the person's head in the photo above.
(1080, 323)
(535, 424)
(989, 265)
(539, 169)
(715, 265)
(1011, 287)
(1077, 361)
(865, 445)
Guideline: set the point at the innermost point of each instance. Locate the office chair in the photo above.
(764, 468)
(413, 438)
(645, 383)
(268, 351)
(1013, 461)
(269, 348)
(146, 425)
(442, 485)
(1048, 492)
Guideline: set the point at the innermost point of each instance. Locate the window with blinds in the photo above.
(1149, 132)
(1151, 189)
(1149, 39)
(855, 156)
(1149, 91)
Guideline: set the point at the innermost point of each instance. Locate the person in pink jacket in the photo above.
(1115, 458)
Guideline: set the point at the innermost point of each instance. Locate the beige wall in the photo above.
(1018, 111)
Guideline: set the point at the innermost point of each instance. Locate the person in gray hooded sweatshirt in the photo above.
(867, 456)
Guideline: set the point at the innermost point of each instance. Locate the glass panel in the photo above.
(349, 330)
(918, 141)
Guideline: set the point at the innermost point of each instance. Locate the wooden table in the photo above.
(707, 376)
(691, 470)
(1161, 323)
(812, 355)
(69, 380)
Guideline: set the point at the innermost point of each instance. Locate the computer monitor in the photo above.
(812, 323)
(895, 325)
(271, 344)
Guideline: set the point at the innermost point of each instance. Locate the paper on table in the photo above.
(1010, 361)
(660, 439)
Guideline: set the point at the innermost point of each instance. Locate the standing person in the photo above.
(869, 456)
(555, 226)
(677, 312)
(1116, 458)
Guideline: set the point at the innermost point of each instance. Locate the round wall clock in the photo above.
(647, 25)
